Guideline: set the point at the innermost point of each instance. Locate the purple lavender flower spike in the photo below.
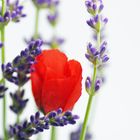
(40, 123)
(14, 12)
(19, 69)
(97, 52)
(18, 102)
(97, 55)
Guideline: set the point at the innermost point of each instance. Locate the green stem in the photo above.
(36, 23)
(18, 118)
(4, 99)
(84, 128)
(99, 37)
(18, 115)
(53, 133)
(3, 48)
(3, 81)
(3, 7)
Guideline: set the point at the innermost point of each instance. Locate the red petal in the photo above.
(63, 92)
(52, 59)
(36, 88)
(55, 93)
(76, 71)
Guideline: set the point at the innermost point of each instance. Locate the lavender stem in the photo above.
(36, 23)
(84, 127)
(3, 81)
(53, 133)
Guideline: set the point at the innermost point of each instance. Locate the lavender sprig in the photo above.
(19, 69)
(19, 103)
(14, 12)
(96, 54)
(38, 124)
(18, 72)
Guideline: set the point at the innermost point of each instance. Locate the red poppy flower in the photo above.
(56, 82)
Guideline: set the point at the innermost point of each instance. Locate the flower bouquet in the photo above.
(56, 80)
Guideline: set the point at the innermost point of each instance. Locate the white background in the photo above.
(116, 109)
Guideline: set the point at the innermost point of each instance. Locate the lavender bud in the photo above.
(97, 84)
(96, 18)
(87, 56)
(101, 7)
(105, 20)
(94, 6)
(105, 58)
(52, 18)
(88, 4)
(88, 84)
(1, 45)
(103, 48)
(2, 90)
(91, 23)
